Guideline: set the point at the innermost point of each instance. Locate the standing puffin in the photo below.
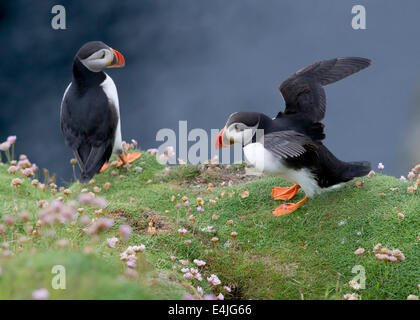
(90, 115)
(289, 145)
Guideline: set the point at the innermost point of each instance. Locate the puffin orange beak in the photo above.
(118, 60)
(219, 141)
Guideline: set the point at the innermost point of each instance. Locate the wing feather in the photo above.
(303, 91)
(288, 144)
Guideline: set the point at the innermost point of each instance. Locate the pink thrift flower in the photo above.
(183, 262)
(169, 152)
(141, 248)
(5, 146)
(193, 271)
(188, 275)
(125, 231)
(40, 294)
(153, 151)
(11, 140)
(351, 296)
(199, 263)
(131, 264)
(411, 175)
(112, 242)
(200, 291)
(198, 277)
(200, 209)
(12, 169)
(182, 232)
(227, 289)
(359, 251)
(381, 166)
(214, 280)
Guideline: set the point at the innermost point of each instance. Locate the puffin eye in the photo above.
(103, 55)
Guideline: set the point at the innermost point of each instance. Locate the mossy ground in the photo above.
(308, 254)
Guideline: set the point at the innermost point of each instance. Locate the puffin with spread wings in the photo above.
(290, 145)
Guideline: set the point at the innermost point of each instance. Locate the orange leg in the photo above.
(278, 193)
(289, 207)
(123, 159)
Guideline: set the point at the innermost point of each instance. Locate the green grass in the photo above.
(308, 254)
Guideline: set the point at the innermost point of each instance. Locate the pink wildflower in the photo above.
(188, 275)
(112, 242)
(11, 139)
(214, 280)
(125, 231)
(199, 263)
(5, 146)
(153, 151)
(182, 232)
(40, 294)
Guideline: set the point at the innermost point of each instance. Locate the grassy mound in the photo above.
(308, 254)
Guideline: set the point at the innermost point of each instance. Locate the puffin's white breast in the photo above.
(262, 159)
(108, 86)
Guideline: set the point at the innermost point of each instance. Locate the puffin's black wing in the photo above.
(89, 127)
(303, 92)
(288, 144)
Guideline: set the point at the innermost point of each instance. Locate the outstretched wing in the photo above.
(303, 92)
(288, 144)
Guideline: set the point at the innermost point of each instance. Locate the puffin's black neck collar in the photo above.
(84, 78)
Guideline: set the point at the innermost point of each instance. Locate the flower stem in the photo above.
(74, 173)
(8, 156)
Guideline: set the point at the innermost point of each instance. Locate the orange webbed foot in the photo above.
(289, 207)
(123, 159)
(285, 194)
(129, 158)
(104, 167)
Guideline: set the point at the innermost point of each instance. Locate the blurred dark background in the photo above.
(200, 60)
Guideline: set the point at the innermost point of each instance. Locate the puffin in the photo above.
(90, 115)
(290, 144)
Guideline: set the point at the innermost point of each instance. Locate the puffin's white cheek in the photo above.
(95, 65)
(237, 136)
(98, 64)
(247, 136)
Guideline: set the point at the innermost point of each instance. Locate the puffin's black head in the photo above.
(240, 127)
(96, 56)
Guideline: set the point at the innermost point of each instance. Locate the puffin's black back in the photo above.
(327, 169)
